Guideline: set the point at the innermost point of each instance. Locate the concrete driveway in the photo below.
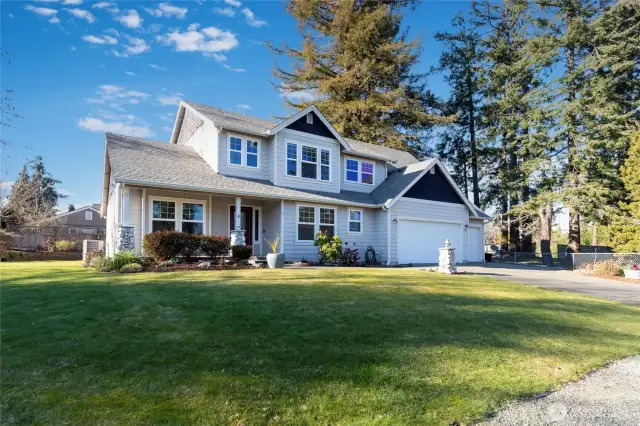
(559, 280)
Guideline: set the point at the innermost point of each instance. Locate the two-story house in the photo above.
(224, 173)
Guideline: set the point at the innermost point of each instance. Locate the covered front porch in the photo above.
(248, 221)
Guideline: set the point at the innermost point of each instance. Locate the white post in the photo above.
(125, 206)
(238, 226)
(237, 235)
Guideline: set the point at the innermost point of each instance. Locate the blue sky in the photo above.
(81, 68)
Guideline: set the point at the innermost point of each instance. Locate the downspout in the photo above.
(386, 206)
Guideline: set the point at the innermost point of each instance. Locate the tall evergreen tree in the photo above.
(357, 64)
(460, 60)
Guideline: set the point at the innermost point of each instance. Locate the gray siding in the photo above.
(264, 172)
(78, 218)
(422, 209)
(281, 178)
(378, 177)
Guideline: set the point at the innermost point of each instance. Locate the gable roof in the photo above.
(233, 120)
(79, 209)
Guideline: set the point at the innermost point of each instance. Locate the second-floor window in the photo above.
(308, 162)
(88, 215)
(359, 171)
(244, 152)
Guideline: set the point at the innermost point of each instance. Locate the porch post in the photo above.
(237, 235)
(124, 238)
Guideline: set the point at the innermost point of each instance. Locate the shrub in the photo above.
(164, 245)
(329, 249)
(349, 256)
(50, 245)
(97, 260)
(215, 246)
(90, 255)
(4, 247)
(6, 237)
(131, 267)
(120, 259)
(191, 246)
(65, 245)
(13, 255)
(240, 253)
(609, 268)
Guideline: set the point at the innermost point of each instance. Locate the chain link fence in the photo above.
(586, 260)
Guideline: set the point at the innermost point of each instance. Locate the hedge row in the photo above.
(167, 245)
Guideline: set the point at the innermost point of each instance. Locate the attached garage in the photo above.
(476, 243)
(419, 240)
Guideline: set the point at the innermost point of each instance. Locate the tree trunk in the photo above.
(526, 239)
(574, 232)
(545, 217)
(472, 142)
(594, 235)
(504, 225)
(514, 223)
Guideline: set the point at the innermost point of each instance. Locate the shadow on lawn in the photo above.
(240, 340)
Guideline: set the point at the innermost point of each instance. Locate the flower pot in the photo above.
(632, 273)
(275, 260)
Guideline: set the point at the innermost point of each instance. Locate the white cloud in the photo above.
(167, 10)
(154, 28)
(157, 67)
(111, 94)
(131, 19)
(167, 129)
(234, 3)
(72, 2)
(98, 125)
(66, 192)
(54, 20)
(136, 46)
(112, 31)
(230, 68)
(251, 18)
(206, 40)
(299, 95)
(82, 14)
(169, 117)
(226, 11)
(11, 15)
(94, 39)
(108, 6)
(6, 184)
(132, 74)
(42, 11)
(218, 57)
(244, 106)
(173, 99)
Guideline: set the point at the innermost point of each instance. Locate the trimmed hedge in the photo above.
(241, 252)
(215, 246)
(165, 245)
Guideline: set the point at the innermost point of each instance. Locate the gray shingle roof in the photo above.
(258, 125)
(178, 166)
(398, 180)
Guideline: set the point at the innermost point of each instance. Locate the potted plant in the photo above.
(633, 271)
(275, 259)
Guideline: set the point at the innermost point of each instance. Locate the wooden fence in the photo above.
(36, 237)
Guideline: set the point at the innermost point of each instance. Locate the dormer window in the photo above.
(357, 171)
(244, 152)
(308, 162)
(310, 118)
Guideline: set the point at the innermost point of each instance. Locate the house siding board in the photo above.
(307, 184)
(378, 177)
(135, 216)
(264, 172)
(412, 208)
(190, 124)
(78, 218)
(316, 128)
(434, 187)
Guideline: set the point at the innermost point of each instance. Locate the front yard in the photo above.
(305, 346)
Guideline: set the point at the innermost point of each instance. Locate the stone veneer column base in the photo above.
(237, 238)
(125, 239)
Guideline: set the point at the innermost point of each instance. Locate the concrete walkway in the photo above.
(559, 280)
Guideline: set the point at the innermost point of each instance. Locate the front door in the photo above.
(246, 222)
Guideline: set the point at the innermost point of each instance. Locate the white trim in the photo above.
(125, 205)
(290, 133)
(79, 210)
(180, 119)
(359, 171)
(435, 203)
(361, 221)
(316, 218)
(309, 118)
(282, 225)
(426, 219)
(459, 255)
(310, 108)
(243, 152)
(299, 145)
(178, 212)
(143, 221)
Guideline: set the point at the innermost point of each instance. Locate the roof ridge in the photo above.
(192, 103)
(106, 134)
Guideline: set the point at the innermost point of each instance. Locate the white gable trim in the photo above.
(302, 113)
(79, 210)
(437, 162)
(180, 118)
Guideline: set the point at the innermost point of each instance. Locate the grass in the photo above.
(304, 346)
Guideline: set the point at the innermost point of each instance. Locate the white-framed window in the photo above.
(355, 221)
(359, 171)
(88, 215)
(178, 215)
(308, 162)
(311, 220)
(310, 118)
(243, 152)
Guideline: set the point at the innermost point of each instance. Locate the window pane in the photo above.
(324, 157)
(309, 154)
(367, 178)
(327, 216)
(324, 173)
(352, 165)
(292, 168)
(235, 144)
(235, 157)
(252, 147)
(367, 167)
(292, 151)
(192, 211)
(252, 160)
(164, 210)
(355, 215)
(354, 226)
(257, 232)
(306, 214)
(163, 225)
(309, 171)
(192, 227)
(352, 176)
(327, 229)
(305, 232)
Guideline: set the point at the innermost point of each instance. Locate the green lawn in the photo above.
(306, 346)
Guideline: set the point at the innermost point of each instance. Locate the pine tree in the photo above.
(357, 64)
(461, 62)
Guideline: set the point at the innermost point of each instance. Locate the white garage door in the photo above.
(418, 241)
(476, 247)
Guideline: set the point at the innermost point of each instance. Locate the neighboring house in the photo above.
(83, 220)
(293, 179)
